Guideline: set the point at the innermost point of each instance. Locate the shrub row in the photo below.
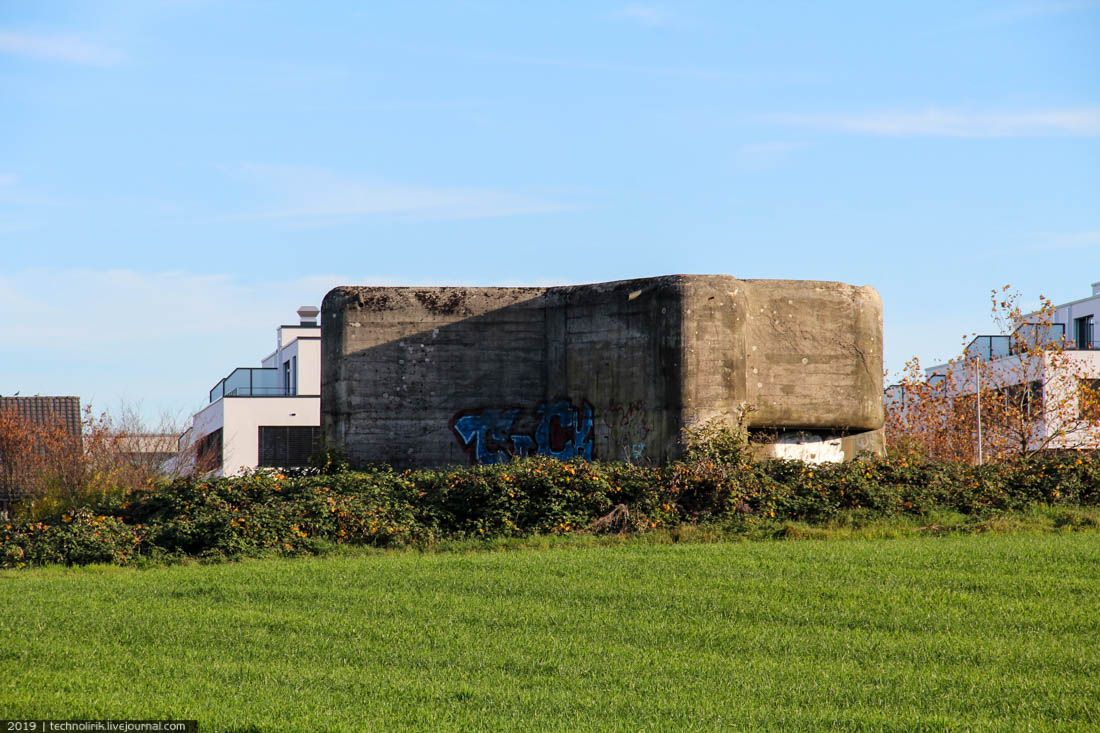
(294, 514)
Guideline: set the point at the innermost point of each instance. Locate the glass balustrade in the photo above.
(250, 382)
(1030, 336)
(988, 348)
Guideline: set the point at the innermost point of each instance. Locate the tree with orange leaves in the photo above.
(46, 465)
(33, 454)
(1007, 395)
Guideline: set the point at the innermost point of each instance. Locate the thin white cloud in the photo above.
(57, 47)
(10, 201)
(686, 72)
(161, 339)
(650, 16)
(765, 154)
(1070, 240)
(319, 195)
(937, 122)
(746, 77)
(89, 312)
(1034, 10)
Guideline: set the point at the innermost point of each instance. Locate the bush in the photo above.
(269, 512)
(537, 495)
(274, 513)
(79, 538)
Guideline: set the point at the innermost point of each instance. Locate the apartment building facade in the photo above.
(1048, 368)
(266, 416)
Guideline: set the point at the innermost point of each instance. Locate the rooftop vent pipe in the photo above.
(308, 315)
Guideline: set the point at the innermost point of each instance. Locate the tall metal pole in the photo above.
(978, 381)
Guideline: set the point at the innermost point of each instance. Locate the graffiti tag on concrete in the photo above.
(555, 428)
(628, 421)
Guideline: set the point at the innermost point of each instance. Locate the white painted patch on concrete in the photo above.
(808, 448)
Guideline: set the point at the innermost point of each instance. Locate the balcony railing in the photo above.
(1038, 336)
(988, 348)
(251, 382)
(1027, 337)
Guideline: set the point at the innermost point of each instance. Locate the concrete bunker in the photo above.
(431, 376)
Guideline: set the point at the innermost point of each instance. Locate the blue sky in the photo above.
(177, 177)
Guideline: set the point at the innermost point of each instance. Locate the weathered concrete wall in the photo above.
(433, 376)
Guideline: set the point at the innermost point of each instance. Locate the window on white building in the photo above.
(208, 452)
(288, 446)
(1082, 332)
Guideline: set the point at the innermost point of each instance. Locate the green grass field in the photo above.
(968, 632)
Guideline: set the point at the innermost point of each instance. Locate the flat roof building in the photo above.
(263, 416)
(1048, 368)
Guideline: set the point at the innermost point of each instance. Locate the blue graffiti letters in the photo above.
(484, 434)
(555, 428)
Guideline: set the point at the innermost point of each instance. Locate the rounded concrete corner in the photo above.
(336, 298)
(871, 296)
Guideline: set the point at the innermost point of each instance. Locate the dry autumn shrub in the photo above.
(45, 468)
(35, 457)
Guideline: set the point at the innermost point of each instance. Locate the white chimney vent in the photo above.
(1096, 288)
(308, 315)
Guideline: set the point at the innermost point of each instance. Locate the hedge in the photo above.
(268, 512)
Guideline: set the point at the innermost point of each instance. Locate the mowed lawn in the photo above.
(977, 632)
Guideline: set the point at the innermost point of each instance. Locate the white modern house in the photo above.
(1072, 328)
(263, 416)
(1049, 363)
(1079, 318)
